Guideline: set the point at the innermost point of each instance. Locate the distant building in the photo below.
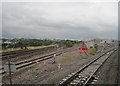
(93, 42)
(89, 44)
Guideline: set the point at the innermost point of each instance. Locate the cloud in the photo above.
(63, 20)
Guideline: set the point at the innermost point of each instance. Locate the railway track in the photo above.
(26, 63)
(85, 74)
(14, 54)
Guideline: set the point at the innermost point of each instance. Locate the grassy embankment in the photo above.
(29, 48)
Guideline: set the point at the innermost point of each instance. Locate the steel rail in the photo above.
(72, 76)
(90, 78)
(23, 64)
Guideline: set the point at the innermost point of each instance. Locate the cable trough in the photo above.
(86, 73)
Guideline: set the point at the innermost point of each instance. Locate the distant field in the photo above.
(29, 48)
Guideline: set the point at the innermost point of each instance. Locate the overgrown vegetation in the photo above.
(92, 51)
(69, 58)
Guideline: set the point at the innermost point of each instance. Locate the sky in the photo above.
(60, 20)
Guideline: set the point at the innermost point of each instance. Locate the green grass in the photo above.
(92, 51)
(29, 48)
(68, 58)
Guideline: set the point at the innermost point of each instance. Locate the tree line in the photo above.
(24, 43)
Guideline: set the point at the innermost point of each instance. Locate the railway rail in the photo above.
(14, 54)
(26, 63)
(84, 75)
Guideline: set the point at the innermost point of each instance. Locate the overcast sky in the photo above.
(60, 20)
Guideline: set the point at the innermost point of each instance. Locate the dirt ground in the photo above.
(47, 73)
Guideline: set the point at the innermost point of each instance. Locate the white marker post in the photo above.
(54, 58)
(59, 66)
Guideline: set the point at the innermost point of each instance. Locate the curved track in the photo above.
(86, 73)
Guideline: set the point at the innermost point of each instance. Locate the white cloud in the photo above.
(60, 19)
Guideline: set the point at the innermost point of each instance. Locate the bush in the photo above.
(92, 51)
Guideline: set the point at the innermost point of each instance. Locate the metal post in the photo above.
(9, 71)
(54, 58)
